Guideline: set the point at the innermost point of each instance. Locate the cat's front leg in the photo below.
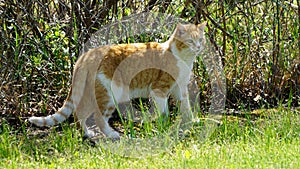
(185, 109)
(161, 102)
(182, 95)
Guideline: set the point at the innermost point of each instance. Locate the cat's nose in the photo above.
(198, 45)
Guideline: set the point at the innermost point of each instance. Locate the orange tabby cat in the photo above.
(108, 75)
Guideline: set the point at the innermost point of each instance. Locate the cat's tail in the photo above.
(61, 115)
(70, 105)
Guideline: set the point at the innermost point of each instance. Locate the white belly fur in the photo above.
(122, 93)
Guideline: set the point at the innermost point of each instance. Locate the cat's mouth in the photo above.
(196, 50)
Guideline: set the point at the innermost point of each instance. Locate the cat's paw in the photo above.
(89, 134)
(114, 135)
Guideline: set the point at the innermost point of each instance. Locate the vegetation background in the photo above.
(258, 41)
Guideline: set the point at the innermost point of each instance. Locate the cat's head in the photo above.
(190, 36)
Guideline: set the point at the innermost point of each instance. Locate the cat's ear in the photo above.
(180, 29)
(201, 26)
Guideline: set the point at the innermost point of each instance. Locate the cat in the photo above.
(112, 74)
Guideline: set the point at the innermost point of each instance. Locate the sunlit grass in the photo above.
(270, 141)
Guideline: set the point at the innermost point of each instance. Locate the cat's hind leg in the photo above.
(106, 108)
(81, 118)
(87, 133)
(102, 123)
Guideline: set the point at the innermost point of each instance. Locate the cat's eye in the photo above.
(190, 41)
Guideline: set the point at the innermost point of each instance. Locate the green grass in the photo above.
(270, 141)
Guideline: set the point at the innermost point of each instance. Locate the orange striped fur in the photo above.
(114, 74)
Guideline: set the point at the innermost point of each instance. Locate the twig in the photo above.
(219, 26)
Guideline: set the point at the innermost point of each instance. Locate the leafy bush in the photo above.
(258, 42)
